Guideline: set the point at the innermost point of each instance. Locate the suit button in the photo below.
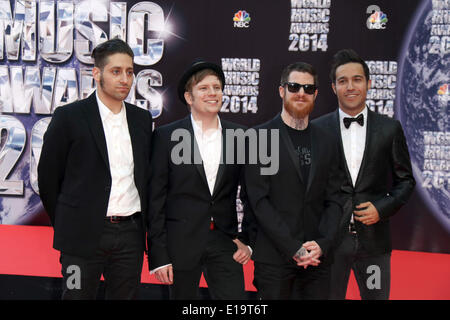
(211, 203)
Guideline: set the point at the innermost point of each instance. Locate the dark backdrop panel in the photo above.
(205, 29)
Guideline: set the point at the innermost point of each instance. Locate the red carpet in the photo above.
(27, 250)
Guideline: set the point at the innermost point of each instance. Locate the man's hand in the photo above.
(311, 255)
(369, 215)
(165, 275)
(242, 254)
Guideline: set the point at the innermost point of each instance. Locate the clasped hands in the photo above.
(308, 255)
(310, 252)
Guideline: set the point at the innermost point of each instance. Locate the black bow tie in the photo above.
(359, 119)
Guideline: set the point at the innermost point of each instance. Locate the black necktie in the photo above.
(359, 119)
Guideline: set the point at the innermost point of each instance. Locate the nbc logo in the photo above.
(443, 90)
(443, 94)
(241, 19)
(377, 19)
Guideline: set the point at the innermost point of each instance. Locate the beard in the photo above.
(110, 92)
(298, 113)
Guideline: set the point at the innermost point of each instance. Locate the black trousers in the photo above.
(290, 282)
(119, 259)
(224, 276)
(372, 272)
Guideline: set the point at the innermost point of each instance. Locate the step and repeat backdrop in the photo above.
(45, 63)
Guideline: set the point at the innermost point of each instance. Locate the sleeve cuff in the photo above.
(156, 269)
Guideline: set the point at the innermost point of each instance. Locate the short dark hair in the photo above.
(108, 48)
(347, 56)
(299, 67)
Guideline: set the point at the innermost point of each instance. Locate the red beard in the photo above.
(298, 113)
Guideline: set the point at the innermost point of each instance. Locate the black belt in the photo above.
(117, 219)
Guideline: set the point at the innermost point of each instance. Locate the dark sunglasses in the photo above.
(295, 87)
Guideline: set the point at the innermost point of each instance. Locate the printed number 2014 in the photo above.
(304, 42)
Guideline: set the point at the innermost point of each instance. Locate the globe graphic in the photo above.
(22, 209)
(27, 208)
(421, 109)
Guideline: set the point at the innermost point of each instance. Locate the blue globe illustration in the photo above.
(420, 109)
(27, 209)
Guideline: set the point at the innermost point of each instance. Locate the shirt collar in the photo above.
(197, 125)
(105, 112)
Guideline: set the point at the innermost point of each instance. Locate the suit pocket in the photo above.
(170, 220)
(68, 200)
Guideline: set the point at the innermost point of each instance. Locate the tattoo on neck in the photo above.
(300, 124)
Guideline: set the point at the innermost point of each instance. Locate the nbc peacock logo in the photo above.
(241, 19)
(443, 90)
(377, 19)
(443, 94)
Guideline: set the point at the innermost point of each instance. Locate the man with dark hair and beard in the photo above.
(297, 208)
(93, 175)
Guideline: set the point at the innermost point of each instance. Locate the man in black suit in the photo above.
(193, 218)
(297, 209)
(93, 174)
(373, 154)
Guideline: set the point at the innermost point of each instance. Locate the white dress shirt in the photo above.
(354, 143)
(124, 198)
(210, 146)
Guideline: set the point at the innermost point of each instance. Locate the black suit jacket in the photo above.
(290, 211)
(74, 175)
(181, 205)
(386, 159)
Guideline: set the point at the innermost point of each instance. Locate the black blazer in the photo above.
(290, 211)
(181, 205)
(73, 173)
(385, 160)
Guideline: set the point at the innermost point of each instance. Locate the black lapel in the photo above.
(315, 154)
(96, 126)
(371, 133)
(223, 159)
(337, 126)
(132, 122)
(290, 147)
(196, 157)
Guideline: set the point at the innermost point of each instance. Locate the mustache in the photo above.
(298, 113)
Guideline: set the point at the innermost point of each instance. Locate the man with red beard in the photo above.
(297, 208)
